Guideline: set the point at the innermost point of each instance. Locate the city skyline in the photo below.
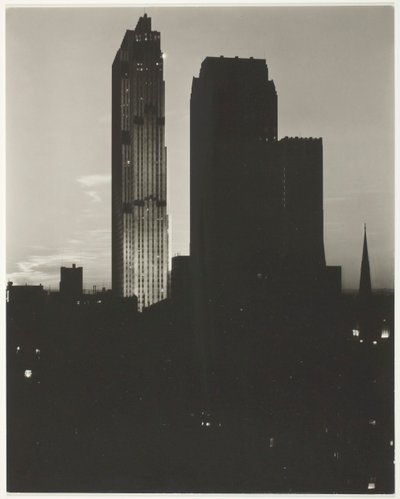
(358, 151)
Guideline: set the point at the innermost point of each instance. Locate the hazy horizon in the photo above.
(333, 68)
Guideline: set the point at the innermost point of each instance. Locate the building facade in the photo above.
(139, 168)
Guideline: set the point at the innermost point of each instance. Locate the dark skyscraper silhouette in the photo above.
(256, 201)
(233, 117)
(256, 234)
(139, 168)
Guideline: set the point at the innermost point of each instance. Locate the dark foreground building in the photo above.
(180, 276)
(139, 168)
(256, 201)
(71, 283)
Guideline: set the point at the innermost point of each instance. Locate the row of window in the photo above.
(147, 37)
(139, 67)
(137, 181)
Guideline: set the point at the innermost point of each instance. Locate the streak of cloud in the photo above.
(94, 252)
(94, 196)
(94, 180)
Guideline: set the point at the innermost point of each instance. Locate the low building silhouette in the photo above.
(71, 283)
(26, 295)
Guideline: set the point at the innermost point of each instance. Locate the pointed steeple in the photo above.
(365, 290)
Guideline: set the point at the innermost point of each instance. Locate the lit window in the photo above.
(356, 332)
(28, 373)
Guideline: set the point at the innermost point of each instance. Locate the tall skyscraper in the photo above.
(139, 168)
(256, 201)
(233, 117)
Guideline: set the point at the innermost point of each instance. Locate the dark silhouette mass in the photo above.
(71, 283)
(247, 369)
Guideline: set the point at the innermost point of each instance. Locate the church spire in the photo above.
(365, 278)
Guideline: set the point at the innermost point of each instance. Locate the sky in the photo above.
(333, 69)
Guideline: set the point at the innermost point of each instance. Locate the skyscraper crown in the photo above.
(144, 24)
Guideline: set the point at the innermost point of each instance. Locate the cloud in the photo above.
(94, 180)
(94, 196)
(354, 195)
(93, 254)
(334, 226)
(43, 269)
(90, 182)
(38, 247)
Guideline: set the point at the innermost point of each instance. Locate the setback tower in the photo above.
(139, 168)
